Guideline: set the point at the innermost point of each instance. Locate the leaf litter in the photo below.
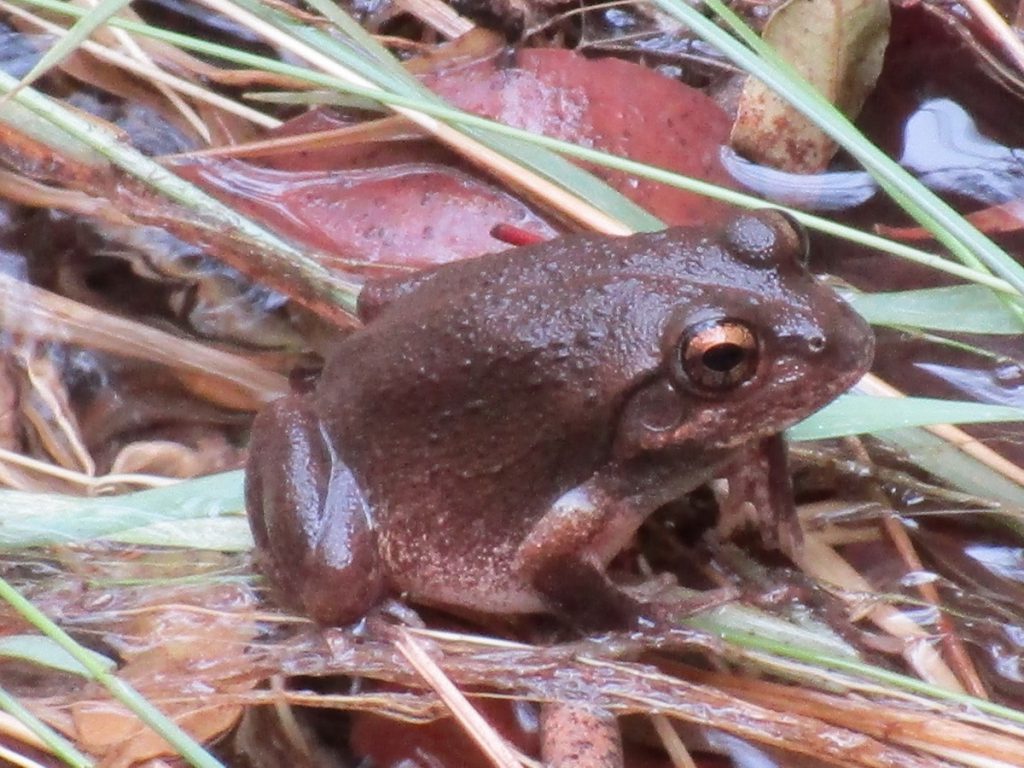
(231, 649)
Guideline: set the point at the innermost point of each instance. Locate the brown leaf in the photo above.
(837, 45)
(410, 214)
(181, 647)
(110, 730)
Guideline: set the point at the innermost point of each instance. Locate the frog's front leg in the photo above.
(565, 554)
(310, 520)
(761, 495)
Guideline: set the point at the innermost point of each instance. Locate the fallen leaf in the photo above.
(609, 104)
(413, 203)
(180, 655)
(837, 45)
(414, 214)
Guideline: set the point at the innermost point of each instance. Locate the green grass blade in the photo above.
(357, 49)
(866, 414)
(944, 459)
(803, 631)
(191, 751)
(45, 652)
(377, 56)
(93, 19)
(39, 519)
(217, 534)
(56, 743)
(27, 122)
(869, 672)
(957, 309)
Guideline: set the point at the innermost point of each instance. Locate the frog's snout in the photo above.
(857, 340)
(850, 346)
(841, 344)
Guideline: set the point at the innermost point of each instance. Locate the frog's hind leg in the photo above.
(309, 517)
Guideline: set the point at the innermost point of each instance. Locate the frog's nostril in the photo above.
(816, 343)
(804, 343)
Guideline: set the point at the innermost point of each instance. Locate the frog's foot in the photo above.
(663, 604)
(584, 596)
(309, 518)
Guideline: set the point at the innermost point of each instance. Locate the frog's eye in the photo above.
(716, 356)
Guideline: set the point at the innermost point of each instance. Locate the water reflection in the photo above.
(943, 148)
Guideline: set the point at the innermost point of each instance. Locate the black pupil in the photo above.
(723, 358)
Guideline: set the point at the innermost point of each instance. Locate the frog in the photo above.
(497, 429)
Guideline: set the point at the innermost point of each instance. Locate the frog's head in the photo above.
(759, 347)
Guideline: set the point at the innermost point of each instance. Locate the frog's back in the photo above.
(513, 368)
(497, 353)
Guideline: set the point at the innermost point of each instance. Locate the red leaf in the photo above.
(413, 203)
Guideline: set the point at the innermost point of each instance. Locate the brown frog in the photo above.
(500, 427)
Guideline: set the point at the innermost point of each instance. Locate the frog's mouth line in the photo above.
(784, 414)
(820, 397)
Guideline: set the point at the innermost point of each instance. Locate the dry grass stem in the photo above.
(90, 484)
(930, 732)
(837, 523)
(673, 744)
(770, 725)
(18, 189)
(13, 729)
(439, 16)
(999, 30)
(471, 642)
(45, 406)
(823, 563)
(37, 313)
(872, 385)
(395, 128)
(478, 729)
(290, 726)
(147, 69)
(144, 66)
(17, 759)
(954, 650)
(956, 653)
